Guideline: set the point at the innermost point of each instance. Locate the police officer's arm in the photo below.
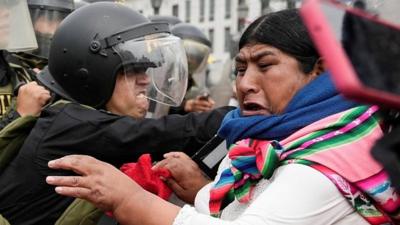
(186, 133)
(73, 129)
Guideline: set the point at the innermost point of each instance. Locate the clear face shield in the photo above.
(16, 32)
(155, 67)
(46, 18)
(197, 55)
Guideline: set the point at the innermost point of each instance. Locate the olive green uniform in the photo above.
(16, 70)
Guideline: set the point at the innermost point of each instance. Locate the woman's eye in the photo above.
(240, 71)
(263, 65)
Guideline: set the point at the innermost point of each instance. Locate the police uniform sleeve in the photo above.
(185, 133)
(73, 129)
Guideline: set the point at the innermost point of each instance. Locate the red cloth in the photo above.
(149, 179)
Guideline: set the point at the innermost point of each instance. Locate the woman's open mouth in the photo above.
(252, 109)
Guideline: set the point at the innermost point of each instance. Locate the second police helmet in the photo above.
(46, 16)
(96, 42)
(197, 46)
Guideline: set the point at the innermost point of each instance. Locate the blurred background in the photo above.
(223, 21)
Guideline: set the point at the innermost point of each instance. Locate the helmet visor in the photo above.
(16, 33)
(197, 55)
(155, 67)
(45, 22)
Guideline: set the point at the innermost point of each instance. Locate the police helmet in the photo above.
(46, 16)
(101, 40)
(197, 46)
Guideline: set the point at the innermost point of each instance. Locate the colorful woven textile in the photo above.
(338, 146)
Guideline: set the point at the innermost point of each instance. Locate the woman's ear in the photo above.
(319, 67)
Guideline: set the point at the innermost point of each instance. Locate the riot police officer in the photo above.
(17, 36)
(107, 57)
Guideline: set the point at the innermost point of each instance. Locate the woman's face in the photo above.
(267, 79)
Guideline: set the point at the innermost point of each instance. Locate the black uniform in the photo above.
(25, 198)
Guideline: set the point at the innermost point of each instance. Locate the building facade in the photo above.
(218, 19)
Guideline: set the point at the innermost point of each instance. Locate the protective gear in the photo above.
(102, 40)
(197, 48)
(197, 55)
(196, 44)
(46, 16)
(16, 32)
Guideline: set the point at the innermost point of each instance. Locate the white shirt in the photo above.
(295, 194)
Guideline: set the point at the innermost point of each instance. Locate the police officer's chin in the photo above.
(142, 106)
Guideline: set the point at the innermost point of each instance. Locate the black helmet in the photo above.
(46, 16)
(102, 39)
(196, 44)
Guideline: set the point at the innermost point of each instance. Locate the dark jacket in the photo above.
(25, 198)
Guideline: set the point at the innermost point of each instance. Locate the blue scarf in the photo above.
(316, 100)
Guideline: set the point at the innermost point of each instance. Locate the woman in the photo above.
(298, 151)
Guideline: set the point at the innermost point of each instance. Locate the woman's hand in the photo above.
(110, 190)
(100, 183)
(187, 178)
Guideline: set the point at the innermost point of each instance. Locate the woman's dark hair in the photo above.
(283, 30)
